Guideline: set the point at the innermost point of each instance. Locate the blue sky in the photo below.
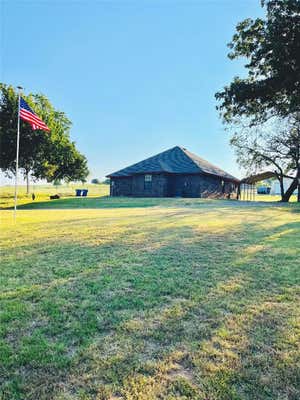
(135, 77)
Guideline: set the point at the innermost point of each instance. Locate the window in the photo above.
(148, 182)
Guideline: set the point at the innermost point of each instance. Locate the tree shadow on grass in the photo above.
(93, 202)
(251, 355)
(112, 320)
(107, 202)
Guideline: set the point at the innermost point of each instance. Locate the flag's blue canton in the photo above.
(26, 113)
(25, 106)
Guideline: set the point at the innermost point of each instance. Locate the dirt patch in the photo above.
(178, 371)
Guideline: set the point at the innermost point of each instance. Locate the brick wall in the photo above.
(171, 185)
(121, 187)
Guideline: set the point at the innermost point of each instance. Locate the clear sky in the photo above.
(135, 77)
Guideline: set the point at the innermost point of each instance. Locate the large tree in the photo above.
(271, 88)
(49, 156)
(272, 147)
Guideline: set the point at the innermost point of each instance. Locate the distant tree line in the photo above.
(51, 156)
(264, 107)
(97, 181)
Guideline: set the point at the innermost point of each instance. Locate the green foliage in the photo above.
(51, 156)
(95, 181)
(272, 47)
(271, 90)
(276, 147)
(182, 389)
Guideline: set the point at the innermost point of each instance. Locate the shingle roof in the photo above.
(176, 160)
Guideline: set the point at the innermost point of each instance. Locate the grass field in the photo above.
(143, 299)
(42, 193)
(68, 199)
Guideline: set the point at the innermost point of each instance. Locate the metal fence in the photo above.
(247, 192)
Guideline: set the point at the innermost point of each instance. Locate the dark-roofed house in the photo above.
(174, 172)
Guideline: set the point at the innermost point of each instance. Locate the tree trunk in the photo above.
(27, 182)
(290, 191)
(281, 188)
(279, 176)
(298, 177)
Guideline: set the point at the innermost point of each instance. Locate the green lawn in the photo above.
(68, 199)
(143, 299)
(42, 193)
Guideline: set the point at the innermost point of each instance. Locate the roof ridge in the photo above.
(190, 155)
(184, 150)
(146, 159)
(176, 159)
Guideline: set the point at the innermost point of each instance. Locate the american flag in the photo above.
(28, 115)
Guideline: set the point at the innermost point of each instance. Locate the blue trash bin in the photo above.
(78, 192)
(84, 192)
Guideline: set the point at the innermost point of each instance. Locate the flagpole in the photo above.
(17, 153)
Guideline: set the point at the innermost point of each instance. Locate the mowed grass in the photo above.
(143, 299)
(273, 197)
(43, 192)
(69, 200)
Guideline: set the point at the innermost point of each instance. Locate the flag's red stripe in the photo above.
(33, 122)
(32, 119)
(29, 114)
(28, 118)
